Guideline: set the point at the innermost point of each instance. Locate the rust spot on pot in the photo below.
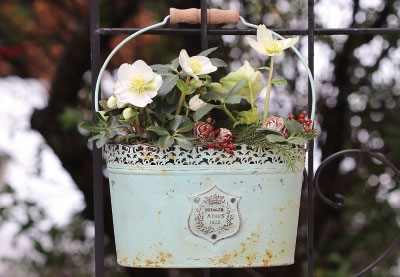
(243, 247)
(161, 259)
(224, 259)
(149, 263)
(268, 257)
(251, 258)
(124, 261)
(254, 237)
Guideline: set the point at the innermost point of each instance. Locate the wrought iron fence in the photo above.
(311, 180)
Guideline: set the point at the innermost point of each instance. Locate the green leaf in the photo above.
(247, 117)
(168, 84)
(162, 68)
(174, 124)
(214, 95)
(93, 127)
(165, 142)
(268, 131)
(298, 140)
(237, 87)
(184, 142)
(99, 117)
(98, 136)
(175, 63)
(233, 99)
(218, 62)
(207, 51)
(293, 126)
(159, 130)
(200, 113)
(276, 138)
(181, 86)
(264, 67)
(279, 81)
(253, 77)
(100, 142)
(185, 126)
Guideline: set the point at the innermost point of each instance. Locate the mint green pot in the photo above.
(204, 208)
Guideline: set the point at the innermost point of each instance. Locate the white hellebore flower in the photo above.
(113, 103)
(127, 113)
(196, 65)
(267, 45)
(137, 84)
(196, 103)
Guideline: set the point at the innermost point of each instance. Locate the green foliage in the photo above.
(184, 99)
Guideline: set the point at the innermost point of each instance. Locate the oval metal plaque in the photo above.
(214, 215)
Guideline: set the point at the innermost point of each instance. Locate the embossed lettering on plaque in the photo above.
(214, 214)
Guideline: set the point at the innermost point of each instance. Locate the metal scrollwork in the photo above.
(340, 200)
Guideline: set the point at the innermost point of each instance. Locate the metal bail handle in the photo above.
(193, 16)
(182, 15)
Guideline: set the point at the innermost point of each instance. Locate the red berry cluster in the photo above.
(222, 142)
(305, 122)
(220, 139)
(204, 131)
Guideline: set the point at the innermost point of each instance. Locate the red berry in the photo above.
(304, 112)
(301, 120)
(308, 129)
(217, 132)
(232, 147)
(202, 129)
(291, 116)
(206, 134)
(210, 145)
(210, 128)
(229, 151)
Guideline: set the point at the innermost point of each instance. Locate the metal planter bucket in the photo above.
(204, 208)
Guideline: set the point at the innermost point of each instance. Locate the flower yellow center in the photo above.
(195, 66)
(138, 84)
(273, 47)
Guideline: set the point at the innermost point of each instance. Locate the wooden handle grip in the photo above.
(193, 16)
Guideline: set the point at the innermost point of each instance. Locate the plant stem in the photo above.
(149, 118)
(182, 98)
(228, 113)
(137, 125)
(251, 95)
(266, 104)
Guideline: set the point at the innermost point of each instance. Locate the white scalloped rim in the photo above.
(147, 155)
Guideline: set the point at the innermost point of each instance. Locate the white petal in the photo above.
(124, 72)
(140, 66)
(144, 70)
(290, 42)
(141, 100)
(263, 34)
(256, 46)
(184, 60)
(156, 82)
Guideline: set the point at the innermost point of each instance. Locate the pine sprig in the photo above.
(248, 134)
